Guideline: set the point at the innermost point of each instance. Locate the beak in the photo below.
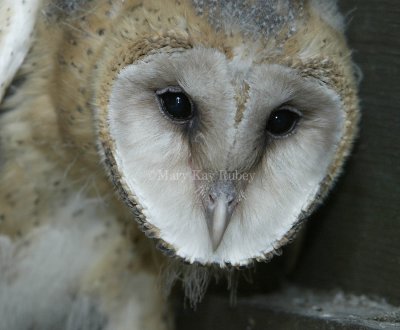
(219, 206)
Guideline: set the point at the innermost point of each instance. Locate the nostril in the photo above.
(211, 198)
(231, 201)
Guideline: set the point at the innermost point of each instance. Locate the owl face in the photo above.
(221, 157)
(221, 144)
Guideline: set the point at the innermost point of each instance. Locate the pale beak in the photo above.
(219, 206)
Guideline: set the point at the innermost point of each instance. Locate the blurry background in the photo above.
(349, 267)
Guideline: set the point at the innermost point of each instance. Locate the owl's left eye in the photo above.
(282, 121)
(175, 104)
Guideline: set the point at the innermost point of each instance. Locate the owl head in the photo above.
(223, 126)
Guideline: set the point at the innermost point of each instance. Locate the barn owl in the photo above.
(207, 130)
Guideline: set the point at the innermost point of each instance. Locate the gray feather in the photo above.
(257, 18)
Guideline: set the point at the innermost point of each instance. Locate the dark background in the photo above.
(355, 238)
(352, 243)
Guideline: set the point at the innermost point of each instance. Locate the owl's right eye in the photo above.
(175, 104)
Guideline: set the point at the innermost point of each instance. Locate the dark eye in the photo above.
(175, 103)
(282, 121)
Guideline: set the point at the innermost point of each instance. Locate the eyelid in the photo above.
(171, 89)
(287, 106)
